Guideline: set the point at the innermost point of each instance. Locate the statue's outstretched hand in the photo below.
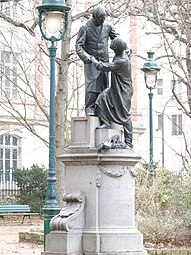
(94, 60)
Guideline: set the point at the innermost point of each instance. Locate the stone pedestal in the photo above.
(107, 180)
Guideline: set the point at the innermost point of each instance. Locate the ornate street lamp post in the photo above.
(53, 23)
(150, 70)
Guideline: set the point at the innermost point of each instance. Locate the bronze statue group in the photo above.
(110, 103)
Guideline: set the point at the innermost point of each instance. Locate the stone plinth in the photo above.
(85, 135)
(107, 180)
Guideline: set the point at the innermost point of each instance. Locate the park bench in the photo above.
(16, 210)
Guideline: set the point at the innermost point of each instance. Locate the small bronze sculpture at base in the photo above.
(114, 143)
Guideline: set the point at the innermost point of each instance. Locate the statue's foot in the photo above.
(90, 112)
(104, 126)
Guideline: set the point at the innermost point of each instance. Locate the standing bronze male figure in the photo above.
(92, 40)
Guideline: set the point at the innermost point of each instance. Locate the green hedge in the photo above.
(32, 183)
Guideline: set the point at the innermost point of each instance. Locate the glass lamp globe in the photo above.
(53, 22)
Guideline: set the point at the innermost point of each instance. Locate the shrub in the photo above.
(32, 183)
(8, 200)
(163, 209)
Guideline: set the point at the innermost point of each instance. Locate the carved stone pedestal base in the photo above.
(107, 180)
(59, 242)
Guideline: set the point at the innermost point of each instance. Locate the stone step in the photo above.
(31, 237)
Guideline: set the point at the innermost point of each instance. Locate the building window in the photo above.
(177, 124)
(160, 121)
(177, 45)
(10, 151)
(9, 75)
(177, 87)
(159, 87)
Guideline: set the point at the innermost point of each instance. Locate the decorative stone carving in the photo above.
(114, 173)
(66, 219)
(98, 178)
(133, 172)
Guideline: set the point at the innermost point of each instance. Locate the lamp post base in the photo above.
(49, 213)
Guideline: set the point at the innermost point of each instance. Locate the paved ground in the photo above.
(9, 238)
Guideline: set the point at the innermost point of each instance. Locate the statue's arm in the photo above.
(108, 67)
(80, 45)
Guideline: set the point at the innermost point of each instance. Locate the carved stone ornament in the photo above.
(133, 172)
(114, 173)
(98, 178)
(74, 205)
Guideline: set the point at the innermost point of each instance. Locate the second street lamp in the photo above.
(53, 23)
(150, 70)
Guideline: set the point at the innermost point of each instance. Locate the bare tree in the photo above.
(172, 22)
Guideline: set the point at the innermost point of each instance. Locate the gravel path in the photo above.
(9, 239)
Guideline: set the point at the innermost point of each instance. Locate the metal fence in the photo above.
(8, 186)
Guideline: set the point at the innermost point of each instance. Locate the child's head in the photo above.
(118, 44)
